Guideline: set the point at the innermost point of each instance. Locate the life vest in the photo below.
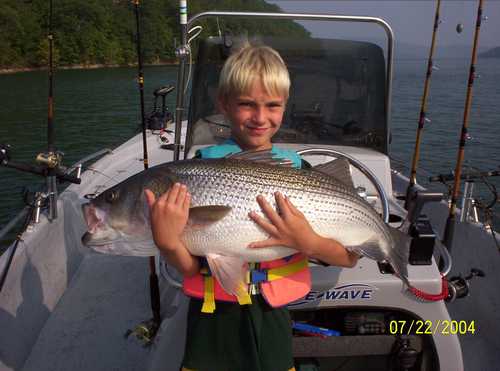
(280, 281)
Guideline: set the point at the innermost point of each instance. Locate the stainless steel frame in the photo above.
(184, 48)
(361, 167)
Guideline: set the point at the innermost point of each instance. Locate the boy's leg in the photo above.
(222, 341)
(244, 338)
(275, 339)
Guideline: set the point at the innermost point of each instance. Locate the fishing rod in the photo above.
(450, 222)
(423, 110)
(51, 159)
(140, 80)
(58, 173)
(154, 287)
(50, 111)
(49, 163)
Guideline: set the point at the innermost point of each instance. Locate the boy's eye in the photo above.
(245, 104)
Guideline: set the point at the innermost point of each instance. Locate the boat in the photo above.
(65, 307)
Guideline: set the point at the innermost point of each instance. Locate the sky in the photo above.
(411, 20)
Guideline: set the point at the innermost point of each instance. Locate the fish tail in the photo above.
(401, 253)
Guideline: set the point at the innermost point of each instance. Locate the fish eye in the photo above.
(111, 196)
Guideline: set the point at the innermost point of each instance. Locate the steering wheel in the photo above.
(175, 281)
(358, 165)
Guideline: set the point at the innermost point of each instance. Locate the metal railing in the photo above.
(184, 50)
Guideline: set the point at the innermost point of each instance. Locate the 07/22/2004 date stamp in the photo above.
(427, 327)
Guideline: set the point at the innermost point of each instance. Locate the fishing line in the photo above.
(102, 173)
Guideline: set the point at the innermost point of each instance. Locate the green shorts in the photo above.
(237, 337)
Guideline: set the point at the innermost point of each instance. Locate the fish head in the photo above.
(121, 213)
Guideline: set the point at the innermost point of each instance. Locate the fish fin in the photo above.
(370, 248)
(201, 215)
(339, 169)
(229, 271)
(261, 156)
(143, 248)
(401, 254)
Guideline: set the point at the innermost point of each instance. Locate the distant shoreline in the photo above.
(7, 71)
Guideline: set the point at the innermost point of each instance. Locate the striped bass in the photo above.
(223, 192)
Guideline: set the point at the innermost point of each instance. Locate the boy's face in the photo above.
(255, 116)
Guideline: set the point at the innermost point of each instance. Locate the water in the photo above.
(445, 109)
(100, 108)
(94, 109)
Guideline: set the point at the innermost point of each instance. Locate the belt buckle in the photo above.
(258, 276)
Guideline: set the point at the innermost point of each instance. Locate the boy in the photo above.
(253, 91)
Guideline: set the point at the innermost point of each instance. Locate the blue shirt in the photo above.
(230, 146)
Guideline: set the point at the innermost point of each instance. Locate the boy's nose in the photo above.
(259, 115)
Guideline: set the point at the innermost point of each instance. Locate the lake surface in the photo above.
(100, 108)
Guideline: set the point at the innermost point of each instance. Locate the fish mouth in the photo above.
(92, 219)
(98, 232)
(91, 239)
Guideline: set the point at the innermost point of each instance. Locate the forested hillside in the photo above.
(89, 32)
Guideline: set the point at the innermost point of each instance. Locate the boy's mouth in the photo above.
(257, 130)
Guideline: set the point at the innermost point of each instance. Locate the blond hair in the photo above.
(252, 62)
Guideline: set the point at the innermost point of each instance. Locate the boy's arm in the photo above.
(169, 214)
(290, 228)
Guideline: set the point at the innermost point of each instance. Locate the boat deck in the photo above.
(68, 308)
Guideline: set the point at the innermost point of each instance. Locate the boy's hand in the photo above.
(169, 215)
(289, 228)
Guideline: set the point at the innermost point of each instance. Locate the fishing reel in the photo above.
(46, 163)
(51, 160)
(458, 286)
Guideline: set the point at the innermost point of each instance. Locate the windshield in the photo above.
(337, 94)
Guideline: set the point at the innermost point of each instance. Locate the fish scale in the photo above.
(333, 209)
(324, 202)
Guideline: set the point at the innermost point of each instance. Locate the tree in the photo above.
(104, 31)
